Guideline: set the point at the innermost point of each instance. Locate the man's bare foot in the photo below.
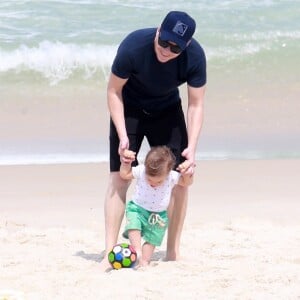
(172, 256)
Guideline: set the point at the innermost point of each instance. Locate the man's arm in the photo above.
(194, 121)
(116, 107)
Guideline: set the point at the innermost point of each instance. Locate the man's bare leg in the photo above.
(177, 213)
(113, 212)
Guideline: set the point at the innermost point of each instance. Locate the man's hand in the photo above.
(123, 147)
(187, 167)
(124, 144)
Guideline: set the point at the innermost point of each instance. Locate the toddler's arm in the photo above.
(126, 169)
(185, 178)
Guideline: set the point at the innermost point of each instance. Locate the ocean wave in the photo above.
(244, 45)
(273, 36)
(58, 61)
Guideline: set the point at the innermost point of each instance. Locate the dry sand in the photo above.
(241, 237)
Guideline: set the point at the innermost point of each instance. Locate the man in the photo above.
(144, 101)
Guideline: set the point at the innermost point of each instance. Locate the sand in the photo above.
(241, 238)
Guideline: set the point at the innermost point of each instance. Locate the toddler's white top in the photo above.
(154, 199)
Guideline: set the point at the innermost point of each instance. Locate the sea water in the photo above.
(55, 59)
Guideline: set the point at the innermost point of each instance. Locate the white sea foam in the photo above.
(22, 158)
(57, 61)
(264, 36)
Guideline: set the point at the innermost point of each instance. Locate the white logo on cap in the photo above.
(180, 28)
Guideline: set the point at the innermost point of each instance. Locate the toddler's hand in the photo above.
(186, 167)
(127, 156)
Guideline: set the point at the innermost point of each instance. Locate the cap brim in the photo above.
(167, 36)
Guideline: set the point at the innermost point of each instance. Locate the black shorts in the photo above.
(166, 127)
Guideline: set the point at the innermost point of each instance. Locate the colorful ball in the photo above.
(122, 256)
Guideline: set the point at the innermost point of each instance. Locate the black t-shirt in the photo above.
(151, 84)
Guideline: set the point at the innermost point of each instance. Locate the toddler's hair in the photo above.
(159, 160)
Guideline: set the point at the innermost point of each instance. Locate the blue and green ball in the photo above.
(122, 256)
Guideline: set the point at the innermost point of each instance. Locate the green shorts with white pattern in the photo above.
(153, 225)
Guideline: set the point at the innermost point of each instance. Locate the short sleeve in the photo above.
(174, 177)
(122, 65)
(138, 171)
(196, 76)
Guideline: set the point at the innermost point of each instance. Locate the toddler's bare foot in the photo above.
(105, 266)
(142, 264)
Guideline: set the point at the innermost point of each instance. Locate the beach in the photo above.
(241, 238)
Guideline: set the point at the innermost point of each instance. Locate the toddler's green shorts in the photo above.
(152, 225)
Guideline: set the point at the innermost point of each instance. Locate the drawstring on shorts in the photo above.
(156, 219)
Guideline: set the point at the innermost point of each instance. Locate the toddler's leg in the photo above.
(147, 253)
(134, 236)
